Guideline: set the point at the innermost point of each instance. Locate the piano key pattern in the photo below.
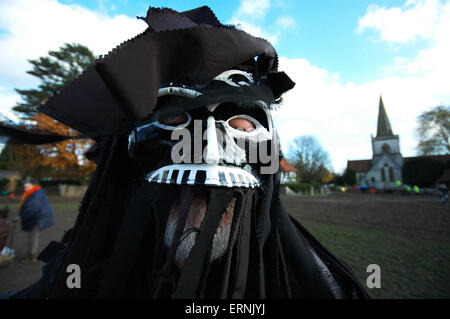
(195, 174)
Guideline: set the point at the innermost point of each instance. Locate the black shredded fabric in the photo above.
(122, 86)
(118, 242)
(118, 237)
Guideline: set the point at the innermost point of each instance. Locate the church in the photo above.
(385, 167)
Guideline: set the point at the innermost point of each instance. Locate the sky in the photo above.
(342, 54)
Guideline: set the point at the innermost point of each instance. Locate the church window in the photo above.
(383, 176)
(391, 174)
(386, 148)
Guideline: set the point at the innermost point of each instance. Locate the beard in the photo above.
(193, 223)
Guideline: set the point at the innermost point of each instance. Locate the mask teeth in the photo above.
(200, 174)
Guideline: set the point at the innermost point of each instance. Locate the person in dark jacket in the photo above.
(36, 214)
(4, 227)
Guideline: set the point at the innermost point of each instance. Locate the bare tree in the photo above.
(434, 131)
(309, 157)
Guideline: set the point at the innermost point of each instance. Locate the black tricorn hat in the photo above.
(120, 89)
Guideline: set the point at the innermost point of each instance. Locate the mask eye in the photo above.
(175, 120)
(247, 127)
(242, 124)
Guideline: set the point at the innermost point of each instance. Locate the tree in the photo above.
(67, 157)
(350, 176)
(339, 179)
(311, 160)
(434, 131)
(54, 71)
(422, 171)
(64, 159)
(328, 178)
(26, 159)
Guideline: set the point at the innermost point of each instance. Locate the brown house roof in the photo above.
(360, 166)
(286, 167)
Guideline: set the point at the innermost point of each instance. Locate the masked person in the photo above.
(185, 199)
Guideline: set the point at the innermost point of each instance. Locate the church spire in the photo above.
(384, 127)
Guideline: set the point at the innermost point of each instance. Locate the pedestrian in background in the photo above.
(443, 193)
(35, 215)
(4, 227)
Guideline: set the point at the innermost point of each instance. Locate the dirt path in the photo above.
(17, 275)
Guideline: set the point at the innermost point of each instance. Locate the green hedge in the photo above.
(3, 183)
(304, 187)
(422, 171)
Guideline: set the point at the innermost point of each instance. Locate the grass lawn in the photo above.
(407, 236)
(409, 268)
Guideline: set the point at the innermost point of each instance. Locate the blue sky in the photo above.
(324, 31)
(341, 53)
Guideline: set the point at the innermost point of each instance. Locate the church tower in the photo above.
(385, 141)
(387, 160)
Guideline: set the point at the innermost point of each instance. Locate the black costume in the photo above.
(185, 64)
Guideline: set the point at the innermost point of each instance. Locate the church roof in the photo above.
(384, 127)
(360, 166)
(363, 166)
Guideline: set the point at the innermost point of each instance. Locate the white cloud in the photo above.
(7, 99)
(253, 9)
(429, 19)
(251, 15)
(417, 19)
(33, 27)
(434, 60)
(255, 30)
(286, 22)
